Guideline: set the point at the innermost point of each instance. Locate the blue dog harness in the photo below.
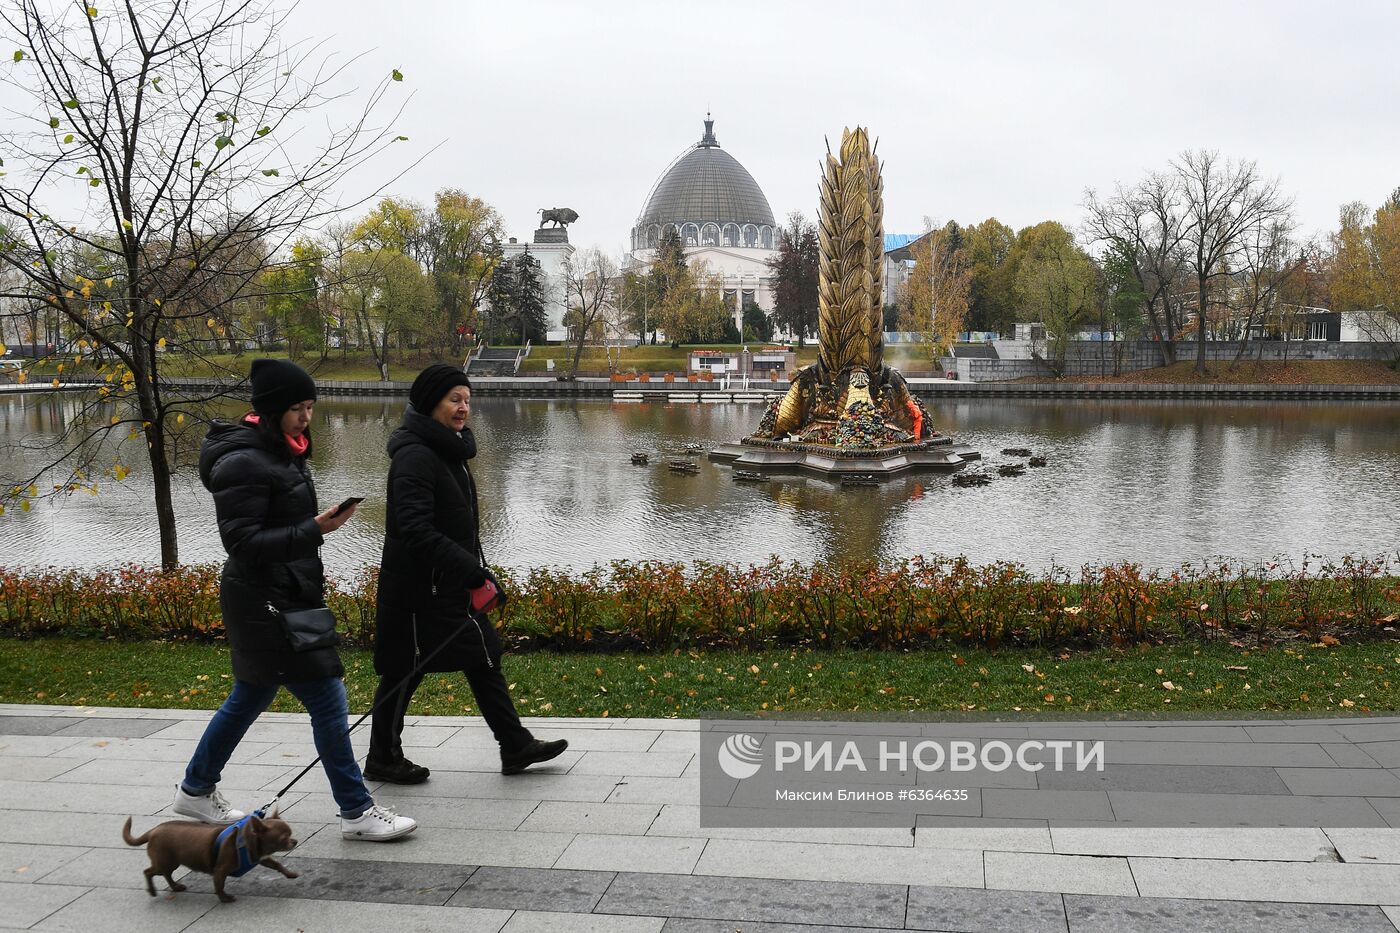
(239, 832)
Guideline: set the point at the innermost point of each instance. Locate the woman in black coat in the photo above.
(265, 503)
(434, 584)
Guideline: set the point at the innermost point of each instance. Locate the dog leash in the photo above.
(271, 805)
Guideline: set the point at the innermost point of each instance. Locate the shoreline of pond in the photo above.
(762, 390)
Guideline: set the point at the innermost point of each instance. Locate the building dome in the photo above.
(710, 199)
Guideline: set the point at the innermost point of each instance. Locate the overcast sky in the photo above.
(1008, 110)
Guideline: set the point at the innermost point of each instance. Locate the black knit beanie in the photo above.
(433, 383)
(278, 385)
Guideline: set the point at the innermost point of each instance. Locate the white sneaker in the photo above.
(377, 824)
(210, 808)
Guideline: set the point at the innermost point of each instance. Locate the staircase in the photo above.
(496, 361)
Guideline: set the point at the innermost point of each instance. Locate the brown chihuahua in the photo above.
(221, 851)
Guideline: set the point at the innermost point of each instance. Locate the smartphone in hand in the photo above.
(353, 500)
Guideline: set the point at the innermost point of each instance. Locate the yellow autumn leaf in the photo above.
(179, 419)
(161, 343)
(24, 506)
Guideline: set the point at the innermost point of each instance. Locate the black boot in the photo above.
(399, 771)
(533, 753)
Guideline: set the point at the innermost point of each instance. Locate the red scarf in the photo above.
(297, 445)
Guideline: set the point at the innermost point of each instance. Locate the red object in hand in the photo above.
(485, 597)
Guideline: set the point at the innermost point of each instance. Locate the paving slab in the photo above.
(439, 813)
(167, 774)
(82, 830)
(24, 905)
(147, 749)
(1100, 914)
(977, 910)
(40, 745)
(117, 728)
(742, 900)
(457, 847)
(1387, 807)
(971, 833)
(634, 789)
(1367, 845)
(35, 725)
(829, 862)
(632, 853)
(541, 889)
(34, 768)
(48, 796)
(568, 816)
(1165, 778)
(684, 820)
(25, 863)
(1348, 782)
(1272, 754)
(1243, 810)
(109, 868)
(642, 764)
(679, 925)
(1061, 805)
(1370, 731)
(533, 921)
(1071, 874)
(616, 740)
(1347, 756)
(675, 740)
(1312, 882)
(1265, 844)
(1294, 732)
(1386, 754)
(320, 916)
(348, 880)
(532, 785)
(128, 911)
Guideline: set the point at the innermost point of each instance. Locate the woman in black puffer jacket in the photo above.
(265, 503)
(434, 585)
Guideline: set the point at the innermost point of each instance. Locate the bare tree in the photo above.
(1268, 261)
(1144, 224)
(156, 168)
(1223, 201)
(589, 282)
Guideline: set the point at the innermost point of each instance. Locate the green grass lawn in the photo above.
(1344, 678)
(360, 366)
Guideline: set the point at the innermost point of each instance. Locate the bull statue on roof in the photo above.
(561, 216)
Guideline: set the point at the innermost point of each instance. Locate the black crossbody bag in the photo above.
(307, 629)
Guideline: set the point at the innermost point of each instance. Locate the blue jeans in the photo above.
(324, 700)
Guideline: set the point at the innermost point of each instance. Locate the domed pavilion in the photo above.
(722, 217)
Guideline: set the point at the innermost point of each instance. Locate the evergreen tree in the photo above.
(502, 295)
(757, 327)
(530, 318)
(795, 278)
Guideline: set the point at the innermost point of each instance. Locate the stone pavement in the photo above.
(608, 838)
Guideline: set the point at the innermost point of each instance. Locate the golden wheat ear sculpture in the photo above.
(850, 224)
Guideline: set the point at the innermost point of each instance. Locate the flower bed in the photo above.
(662, 606)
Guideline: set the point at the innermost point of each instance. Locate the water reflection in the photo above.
(1154, 482)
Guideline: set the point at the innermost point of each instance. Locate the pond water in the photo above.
(1159, 483)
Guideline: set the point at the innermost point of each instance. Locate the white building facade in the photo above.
(553, 251)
